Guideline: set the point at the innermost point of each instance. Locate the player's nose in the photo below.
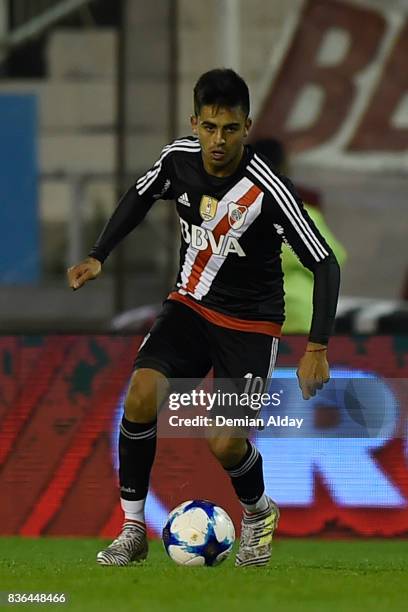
(219, 138)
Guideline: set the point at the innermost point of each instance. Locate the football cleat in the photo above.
(130, 545)
(257, 529)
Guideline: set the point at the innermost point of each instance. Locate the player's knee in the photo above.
(144, 396)
(228, 451)
(137, 408)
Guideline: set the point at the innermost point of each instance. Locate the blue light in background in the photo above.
(342, 455)
(344, 463)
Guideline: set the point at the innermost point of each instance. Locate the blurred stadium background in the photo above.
(89, 93)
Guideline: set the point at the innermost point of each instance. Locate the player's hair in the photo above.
(221, 87)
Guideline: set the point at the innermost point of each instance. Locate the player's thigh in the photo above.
(177, 345)
(243, 364)
(237, 354)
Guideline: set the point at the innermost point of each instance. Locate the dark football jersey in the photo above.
(232, 230)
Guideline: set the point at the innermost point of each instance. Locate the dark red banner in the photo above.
(61, 399)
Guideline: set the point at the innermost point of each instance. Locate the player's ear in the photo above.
(248, 124)
(194, 124)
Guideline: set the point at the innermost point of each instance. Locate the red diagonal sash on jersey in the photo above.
(222, 228)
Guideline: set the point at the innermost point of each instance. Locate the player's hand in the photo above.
(313, 371)
(80, 274)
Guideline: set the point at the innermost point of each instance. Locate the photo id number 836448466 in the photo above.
(11, 598)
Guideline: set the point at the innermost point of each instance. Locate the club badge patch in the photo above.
(236, 214)
(208, 207)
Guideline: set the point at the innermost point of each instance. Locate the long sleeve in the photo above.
(300, 233)
(130, 211)
(134, 205)
(325, 296)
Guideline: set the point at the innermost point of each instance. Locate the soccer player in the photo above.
(227, 307)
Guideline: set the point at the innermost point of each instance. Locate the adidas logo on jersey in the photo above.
(183, 199)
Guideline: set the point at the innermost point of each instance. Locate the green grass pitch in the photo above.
(307, 575)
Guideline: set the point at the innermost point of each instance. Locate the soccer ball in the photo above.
(198, 532)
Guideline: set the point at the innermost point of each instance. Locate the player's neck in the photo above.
(226, 170)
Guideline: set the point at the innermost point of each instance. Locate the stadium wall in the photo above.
(359, 163)
(338, 101)
(60, 406)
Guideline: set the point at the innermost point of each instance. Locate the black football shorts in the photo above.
(182, 344)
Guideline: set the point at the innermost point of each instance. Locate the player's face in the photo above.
(221, 132)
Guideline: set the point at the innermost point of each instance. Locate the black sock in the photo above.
(137, 447)
(247, 476)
